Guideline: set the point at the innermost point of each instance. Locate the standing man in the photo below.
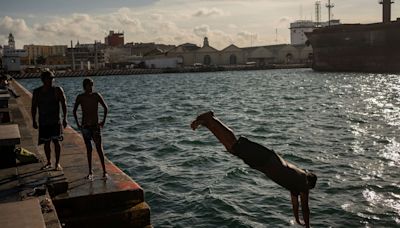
(287, 175)
(47, 99)
(90, 125)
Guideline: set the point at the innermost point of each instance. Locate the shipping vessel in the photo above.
(358, 47)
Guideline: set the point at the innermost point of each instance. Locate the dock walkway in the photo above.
(78, 202)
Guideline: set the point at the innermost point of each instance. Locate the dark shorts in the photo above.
(253, 154)
(91, 133)
(267, 161)
(50, 133)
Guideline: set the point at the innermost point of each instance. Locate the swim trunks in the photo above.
(91, 133)
(50, 132)
(253, 154)
(271, 164)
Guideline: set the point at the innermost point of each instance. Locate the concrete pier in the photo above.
(76, 201)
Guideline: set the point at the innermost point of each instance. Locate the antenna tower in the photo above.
(329, 6)
(318, 12)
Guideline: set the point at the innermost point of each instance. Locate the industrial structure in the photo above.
(358, 47)
(300, 27)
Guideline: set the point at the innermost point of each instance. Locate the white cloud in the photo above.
(201, 30)
(78, 26)
(156, 16)
(205, 12)
(15, 26)
(247, 35)
(232, 26)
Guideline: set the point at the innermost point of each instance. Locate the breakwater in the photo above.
(137, 71)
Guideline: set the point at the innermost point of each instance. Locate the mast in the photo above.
(329, 6)
(386, 7)
(318, 13)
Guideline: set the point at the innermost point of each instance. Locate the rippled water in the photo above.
(343, 126)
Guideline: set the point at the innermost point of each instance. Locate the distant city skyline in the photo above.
(241, 22)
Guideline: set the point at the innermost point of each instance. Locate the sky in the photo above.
(244, 23)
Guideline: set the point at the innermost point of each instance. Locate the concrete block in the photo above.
(22, 214)
(137, 216)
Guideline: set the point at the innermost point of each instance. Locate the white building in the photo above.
(12, 56)
(299, 28)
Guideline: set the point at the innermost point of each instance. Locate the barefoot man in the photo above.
(47, 100)
(258, 157)
(90, 125)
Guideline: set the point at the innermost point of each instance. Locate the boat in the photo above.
(358, 47)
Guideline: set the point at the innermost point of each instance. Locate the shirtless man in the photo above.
(294, 179)
(47, 99)
(90, 125)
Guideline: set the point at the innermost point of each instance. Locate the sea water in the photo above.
(342, 126)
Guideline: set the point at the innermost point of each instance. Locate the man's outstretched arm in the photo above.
(295, 207)
(223, 133)
(304, 208)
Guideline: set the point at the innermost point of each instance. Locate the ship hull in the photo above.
(357, 48)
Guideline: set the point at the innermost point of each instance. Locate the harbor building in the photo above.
(86, 56)
(232, 55)
(45, 54)
(11, 60)
(185, 52)
(114, 39)
(132, 54)
(260, 56)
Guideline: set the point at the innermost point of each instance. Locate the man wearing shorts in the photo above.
(47, 99)
(287, 175)
(90, 125)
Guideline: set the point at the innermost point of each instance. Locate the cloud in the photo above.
(247, 35)
(167, 23)
(78, 26)
(204, 12)
(232, 26)
(156, 16)
(201, 30)
(15, 26)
